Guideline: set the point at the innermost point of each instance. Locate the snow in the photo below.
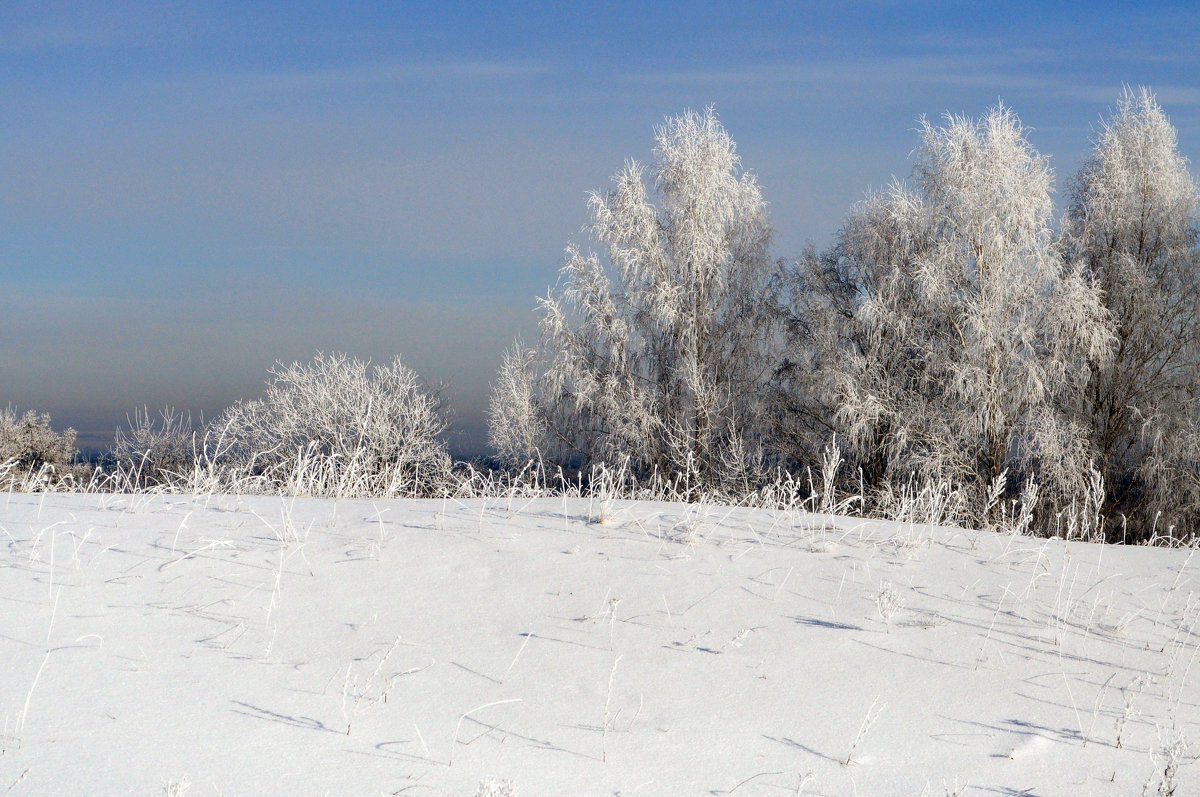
(225, 645)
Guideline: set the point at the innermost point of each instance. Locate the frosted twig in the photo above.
(869, 720)
(607, 701)
(458, 727)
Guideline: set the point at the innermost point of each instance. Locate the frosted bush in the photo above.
(155, 449)
(27, 443)
(339, 426)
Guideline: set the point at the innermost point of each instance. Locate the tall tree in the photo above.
(964, 323)
(659, 350)
(836, 348)
(1132, 224)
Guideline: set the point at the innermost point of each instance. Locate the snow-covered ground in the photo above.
(225, 645)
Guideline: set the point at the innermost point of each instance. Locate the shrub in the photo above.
(337, 426)
(30, 443)
(155, 449)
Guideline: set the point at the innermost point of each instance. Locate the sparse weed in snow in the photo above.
(887, 602)
(953, 791)
(906, 546)
(608, 720)
(872, 715)
(1129, 711)
(462, 717)
(286, 532)
(359, 694)
(605, 487)
(1168, 757)
(176, 788)
(13, 734)
(739, 639)
(496, 788)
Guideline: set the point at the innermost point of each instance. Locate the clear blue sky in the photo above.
(191, 191)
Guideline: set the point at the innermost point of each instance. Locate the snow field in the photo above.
(236, 645)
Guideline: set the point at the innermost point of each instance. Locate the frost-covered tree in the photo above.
(962, 325)
(28, 442)
(1132, 224)
(658, 349)
(831, 341)
(515, 427)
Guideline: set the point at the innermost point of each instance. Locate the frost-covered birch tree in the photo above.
(1132, 224)
(515, 427)
(835, 348)
(658, 348)
(965, 324)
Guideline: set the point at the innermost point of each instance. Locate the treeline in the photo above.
(956, 335)
(957, 345)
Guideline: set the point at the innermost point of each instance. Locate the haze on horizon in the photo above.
(190, 193)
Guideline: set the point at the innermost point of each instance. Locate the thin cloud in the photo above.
(1008, 73)
(892, 70)
(324, 79)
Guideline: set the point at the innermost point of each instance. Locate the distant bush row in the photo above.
(958, 355)
(334, 426)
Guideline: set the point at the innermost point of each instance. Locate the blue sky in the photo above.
(191, 191)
